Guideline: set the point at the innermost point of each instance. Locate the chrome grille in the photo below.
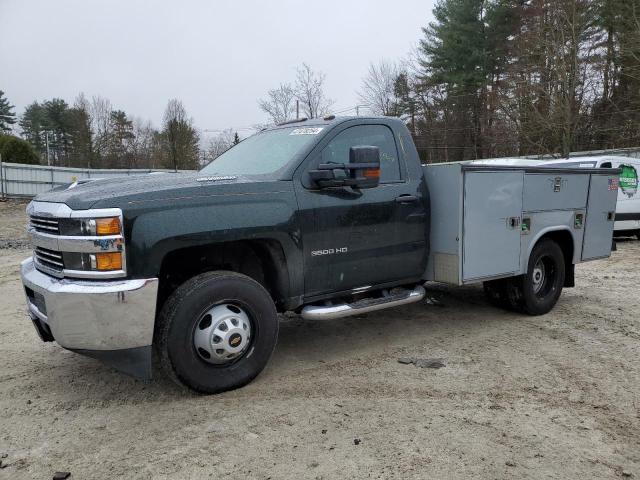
(49, 258)
(45, 225)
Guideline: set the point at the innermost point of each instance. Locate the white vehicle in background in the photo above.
(628, 205)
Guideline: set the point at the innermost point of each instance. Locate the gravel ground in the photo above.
(519, 397)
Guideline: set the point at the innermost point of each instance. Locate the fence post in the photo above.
(1, 177)
(52, 184)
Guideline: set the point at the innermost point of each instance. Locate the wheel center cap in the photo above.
(222, 334)
(235, 340)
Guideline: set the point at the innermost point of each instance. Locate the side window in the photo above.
(337, 151)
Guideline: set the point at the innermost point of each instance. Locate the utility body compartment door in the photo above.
(598, 227)
(491, 224)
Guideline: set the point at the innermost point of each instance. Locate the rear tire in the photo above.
(537, 292)
(193, 352)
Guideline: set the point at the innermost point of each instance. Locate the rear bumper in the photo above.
(111, 320)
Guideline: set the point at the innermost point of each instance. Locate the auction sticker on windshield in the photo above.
(307, 131)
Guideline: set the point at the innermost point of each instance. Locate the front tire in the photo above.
(537, 292)
(216, 332)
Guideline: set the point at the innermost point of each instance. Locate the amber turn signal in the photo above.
(108, 226)
(372, 173)
(109, 261)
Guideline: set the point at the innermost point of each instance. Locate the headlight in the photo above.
(90, 227)
(99, 262)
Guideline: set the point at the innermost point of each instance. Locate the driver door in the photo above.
(350, 236)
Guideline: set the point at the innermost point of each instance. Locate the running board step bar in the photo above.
(330, 312)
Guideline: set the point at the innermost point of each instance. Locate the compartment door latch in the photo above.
(513, 223)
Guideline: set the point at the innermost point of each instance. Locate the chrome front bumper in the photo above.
(108, 319)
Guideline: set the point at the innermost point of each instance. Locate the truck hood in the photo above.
(118, 192)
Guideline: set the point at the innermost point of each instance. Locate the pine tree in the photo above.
(33, 125)
(81, 151)
(57, 123)
(236, 139)
(7, 116)
(120, 139)
(463, 55)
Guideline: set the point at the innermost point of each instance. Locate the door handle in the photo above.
(406, 199)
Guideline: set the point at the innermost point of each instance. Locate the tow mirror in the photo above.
(362, 171)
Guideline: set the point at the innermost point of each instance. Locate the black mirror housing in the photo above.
(364, 166)
(362, 171)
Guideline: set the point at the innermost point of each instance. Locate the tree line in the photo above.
(496, 78)
(488, 78)
(91, 133)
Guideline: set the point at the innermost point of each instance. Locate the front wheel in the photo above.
(216, 332)
(537, 292)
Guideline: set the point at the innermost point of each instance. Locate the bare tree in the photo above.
(79, 118)
(181, 138)
(309, 90)
(142, 145)
(220, 144)
(280, 103)
(100, 119)
(550, 78)
(378, 88)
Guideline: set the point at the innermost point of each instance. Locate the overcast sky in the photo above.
(217, 56)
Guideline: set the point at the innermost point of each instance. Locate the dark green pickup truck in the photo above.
(326, 218)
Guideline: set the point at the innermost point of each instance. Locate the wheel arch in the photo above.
(563, 236)
(262, 259)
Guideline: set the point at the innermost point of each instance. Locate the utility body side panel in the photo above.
(549, 191)
(600, 219)
(544, 223)
(491, 228)
(486, 219)
(446, 190)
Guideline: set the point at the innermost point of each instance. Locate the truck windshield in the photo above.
(264, 153)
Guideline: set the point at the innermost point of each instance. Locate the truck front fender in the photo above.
(155, 233)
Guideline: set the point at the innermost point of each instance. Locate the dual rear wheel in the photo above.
(537, 291)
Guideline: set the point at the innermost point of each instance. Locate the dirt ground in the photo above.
(520, 397)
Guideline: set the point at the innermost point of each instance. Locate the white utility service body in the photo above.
(486, 219)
